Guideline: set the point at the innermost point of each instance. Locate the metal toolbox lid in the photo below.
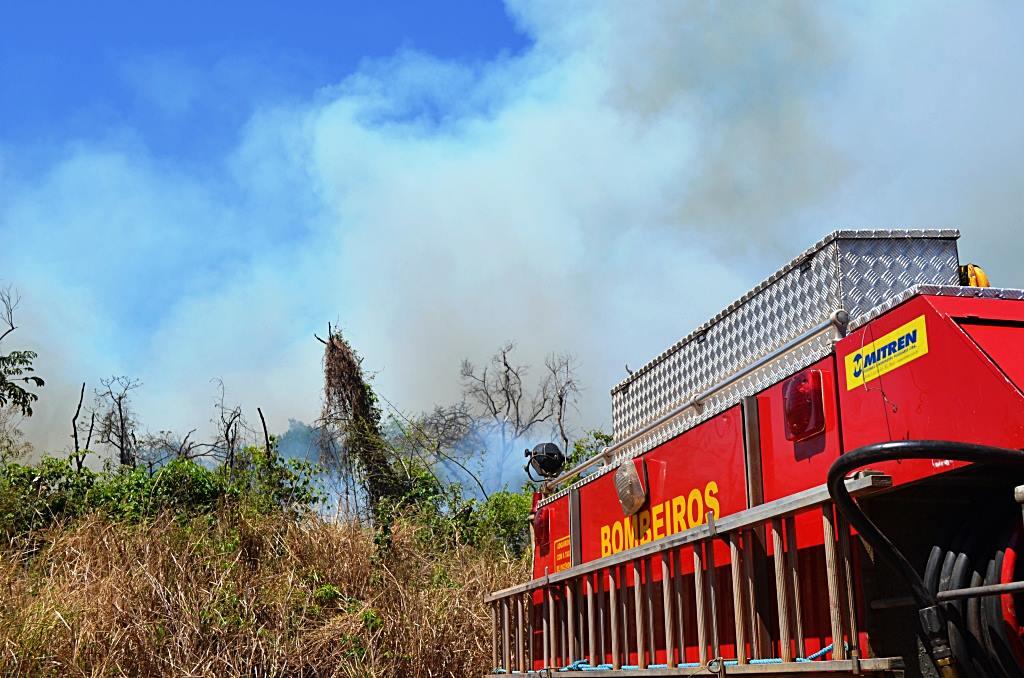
(850, 270)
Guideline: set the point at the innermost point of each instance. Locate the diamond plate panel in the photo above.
(785, 306)
(849, 270)
(873, 269)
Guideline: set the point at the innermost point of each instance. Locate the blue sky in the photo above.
(184, 77)
(144, 107)
(189, 194)
(173, 88)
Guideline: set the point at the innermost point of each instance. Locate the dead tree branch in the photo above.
(499, 395)
(78, 456)
(118, 426)
(9, 301)
(266, 435)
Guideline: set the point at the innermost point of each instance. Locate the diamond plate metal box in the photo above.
(847, 270)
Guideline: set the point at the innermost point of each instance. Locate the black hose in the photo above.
(931, 615)
(960, 640)
(895, 451)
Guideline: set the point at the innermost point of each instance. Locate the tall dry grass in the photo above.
(231, 595)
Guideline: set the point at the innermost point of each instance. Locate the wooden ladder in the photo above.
(639, 603)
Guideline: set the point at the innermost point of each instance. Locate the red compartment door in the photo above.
(1003, 343)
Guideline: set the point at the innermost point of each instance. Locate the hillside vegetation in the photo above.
(193, 571)
(218, 556)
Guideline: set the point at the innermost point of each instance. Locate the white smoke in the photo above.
(636, 169)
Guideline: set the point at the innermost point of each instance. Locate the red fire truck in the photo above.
(820, 480)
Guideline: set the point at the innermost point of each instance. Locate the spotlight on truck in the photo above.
(546, 460)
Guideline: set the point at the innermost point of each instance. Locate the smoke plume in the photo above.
(632, 171)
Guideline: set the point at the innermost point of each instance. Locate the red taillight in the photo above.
(540, 526)
(804, 405)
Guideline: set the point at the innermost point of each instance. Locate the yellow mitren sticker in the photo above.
(896, 349)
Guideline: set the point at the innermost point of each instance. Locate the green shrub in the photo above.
(34, 496)
(326, 594)
(502, 520)
(446, 518)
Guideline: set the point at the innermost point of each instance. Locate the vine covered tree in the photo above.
(351, 441)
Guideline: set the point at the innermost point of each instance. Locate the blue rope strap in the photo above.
(584, 665)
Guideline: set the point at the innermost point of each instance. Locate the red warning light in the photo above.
(540, 526)
(804, 405)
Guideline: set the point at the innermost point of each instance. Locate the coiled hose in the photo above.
(962, 635)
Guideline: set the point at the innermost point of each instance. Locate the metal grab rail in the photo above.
(837, 320)
(584, 613)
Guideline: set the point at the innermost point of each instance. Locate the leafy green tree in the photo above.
(502, 521)
(588, 446)
(16, 370)
(12, 442)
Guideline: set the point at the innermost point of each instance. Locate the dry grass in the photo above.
(235, 596)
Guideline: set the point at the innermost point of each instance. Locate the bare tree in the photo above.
(232, 429)
(266, 436)
(561, 380)
(9, 302)
(118, 426)
(231, 435)
(79, 453)
(501, 409)
(509, 411)
(156, 449)
(445, 437)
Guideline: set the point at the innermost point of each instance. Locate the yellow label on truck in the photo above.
(563, 554)
(896, 349)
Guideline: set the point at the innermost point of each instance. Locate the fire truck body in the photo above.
(867, 337)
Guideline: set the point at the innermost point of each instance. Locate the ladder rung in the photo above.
(494, 635)
(832, 578)
(591, 623)
(851, 603)
(712, 595)
(667, 589)
(520, 632)
(738, 609)
(638, 610)
(570, 617)
(680, 603)
(792, 555)
(506, 647)
(781, 596)
(613, 614)
(698, 586)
